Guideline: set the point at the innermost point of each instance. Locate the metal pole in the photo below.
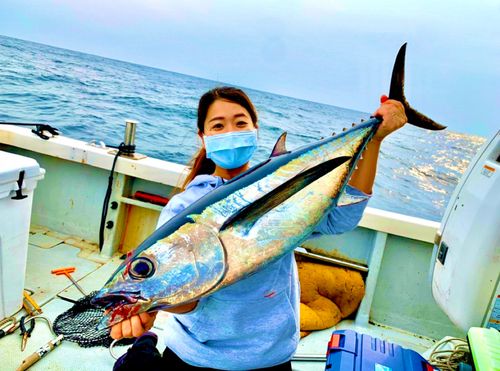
(309, 358)
(130, 133)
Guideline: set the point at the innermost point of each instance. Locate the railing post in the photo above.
(378, 247)
(115, 220)
(129, 140)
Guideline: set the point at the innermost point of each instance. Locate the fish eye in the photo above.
(141, 268)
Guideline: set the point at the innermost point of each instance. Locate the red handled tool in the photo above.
(66, 272)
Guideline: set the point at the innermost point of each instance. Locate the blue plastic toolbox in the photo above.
(351, 351)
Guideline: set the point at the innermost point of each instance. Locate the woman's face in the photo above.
(224, 116)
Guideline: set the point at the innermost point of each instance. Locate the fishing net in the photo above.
(79, 325)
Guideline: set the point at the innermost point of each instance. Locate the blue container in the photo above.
(351, 351)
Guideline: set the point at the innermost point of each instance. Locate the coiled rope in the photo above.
(449, 360)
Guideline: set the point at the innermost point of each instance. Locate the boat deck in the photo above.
(50, 250)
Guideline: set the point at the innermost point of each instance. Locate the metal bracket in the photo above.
(131, 156)
(100, 145)
(19, 193)
(443, 250)
(40, 128)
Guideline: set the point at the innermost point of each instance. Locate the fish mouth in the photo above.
(119, 306)
(107, 300)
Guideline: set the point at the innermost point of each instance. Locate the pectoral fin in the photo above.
(258, 208)
(346, 200)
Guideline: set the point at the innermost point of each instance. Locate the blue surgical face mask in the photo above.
(231, 150)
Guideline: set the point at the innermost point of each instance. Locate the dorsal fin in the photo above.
(280, 147)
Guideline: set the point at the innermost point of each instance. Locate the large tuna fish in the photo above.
(244, 225)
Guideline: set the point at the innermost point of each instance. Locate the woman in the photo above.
(253, 324)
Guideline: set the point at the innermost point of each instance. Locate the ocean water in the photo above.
(89, 97)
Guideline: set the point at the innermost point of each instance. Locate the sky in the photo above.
(335, 52)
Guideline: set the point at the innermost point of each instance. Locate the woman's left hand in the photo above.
(393, 116)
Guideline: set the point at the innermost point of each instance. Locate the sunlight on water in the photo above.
(431, 169)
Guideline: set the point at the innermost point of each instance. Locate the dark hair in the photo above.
(200, 164)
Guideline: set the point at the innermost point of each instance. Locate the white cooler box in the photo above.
(15, 215)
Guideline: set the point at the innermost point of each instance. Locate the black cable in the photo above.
(122, 148)
(107, 197)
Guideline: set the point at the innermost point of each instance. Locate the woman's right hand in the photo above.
(134, 326)
(137, 325)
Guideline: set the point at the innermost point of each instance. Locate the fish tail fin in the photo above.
(396, 92)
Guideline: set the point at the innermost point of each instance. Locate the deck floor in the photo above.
(49, 250)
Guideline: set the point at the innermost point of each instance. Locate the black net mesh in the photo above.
(79, 325)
